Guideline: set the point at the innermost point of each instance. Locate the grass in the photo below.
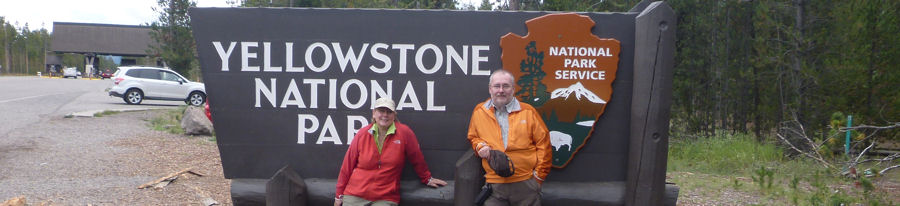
(105, 112)
(738, 170)
(725, 154)
(169, 121)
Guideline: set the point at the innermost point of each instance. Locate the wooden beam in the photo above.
(651, 100)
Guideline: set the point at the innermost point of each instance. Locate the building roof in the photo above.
(53, 59)
(101, 39)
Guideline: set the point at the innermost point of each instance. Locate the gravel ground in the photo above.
(887, 186)
(102, 161)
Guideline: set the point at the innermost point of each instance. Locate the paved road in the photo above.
(48, 158)
(28, 100)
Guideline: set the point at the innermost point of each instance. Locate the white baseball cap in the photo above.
(386, 103)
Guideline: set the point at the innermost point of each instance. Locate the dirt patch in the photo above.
(161, 153)
(102, 161)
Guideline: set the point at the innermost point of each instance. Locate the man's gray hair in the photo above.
(497, 72)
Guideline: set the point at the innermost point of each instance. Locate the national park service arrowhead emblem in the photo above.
(566, 73)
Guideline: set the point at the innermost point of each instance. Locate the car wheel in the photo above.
(133, 96)
(196, 98)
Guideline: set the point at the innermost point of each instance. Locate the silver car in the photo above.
(136, 83)
(71, 72)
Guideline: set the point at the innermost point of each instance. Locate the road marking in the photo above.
(24, 98)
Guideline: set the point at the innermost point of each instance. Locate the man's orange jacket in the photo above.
(529, 141)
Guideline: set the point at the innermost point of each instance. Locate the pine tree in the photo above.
(533, 91)
(173, 33)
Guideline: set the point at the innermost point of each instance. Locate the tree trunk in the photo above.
(171, 19)
(724, 97)
(718, 66)
(873, 57)
(6, 48)
(27, 68)
(755, 109)
(44, 53)
(797, 67)
(757, 123)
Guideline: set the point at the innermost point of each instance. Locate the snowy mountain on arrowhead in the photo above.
(579, 91)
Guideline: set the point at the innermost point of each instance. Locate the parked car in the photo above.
(106, 74)
(136, 83)
(206, 107)
(71, 72)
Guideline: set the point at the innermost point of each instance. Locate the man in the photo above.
(516, 129)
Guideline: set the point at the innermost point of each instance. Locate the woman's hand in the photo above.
(435, 183)
(337, 202)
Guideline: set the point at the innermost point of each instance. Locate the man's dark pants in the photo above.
(526, 192)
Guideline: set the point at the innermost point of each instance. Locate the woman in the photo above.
(373, 163)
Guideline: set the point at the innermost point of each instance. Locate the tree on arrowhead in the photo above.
(533, 91)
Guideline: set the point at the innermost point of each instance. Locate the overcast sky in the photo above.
(42, 13)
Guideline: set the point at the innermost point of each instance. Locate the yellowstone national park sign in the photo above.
(291, 86)
(566, 72)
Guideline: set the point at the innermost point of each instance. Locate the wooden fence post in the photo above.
(650, 106)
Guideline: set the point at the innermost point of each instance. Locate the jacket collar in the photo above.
(391, 130)
(512, 106)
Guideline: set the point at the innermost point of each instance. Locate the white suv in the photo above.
(70, 72)
(136, 83)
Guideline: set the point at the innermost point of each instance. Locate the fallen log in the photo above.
(15, 201)
(170, 176)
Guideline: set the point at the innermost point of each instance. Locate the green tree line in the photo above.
(749, 66)
(172, 30)
(740, 66)
(395, 4)
(21, 48)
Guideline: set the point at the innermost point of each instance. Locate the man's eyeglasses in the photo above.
(501, 86)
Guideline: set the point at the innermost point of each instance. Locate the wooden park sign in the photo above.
(292, 86)
(565, 72)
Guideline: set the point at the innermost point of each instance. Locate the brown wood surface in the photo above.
(151, 183)
(652, 94)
